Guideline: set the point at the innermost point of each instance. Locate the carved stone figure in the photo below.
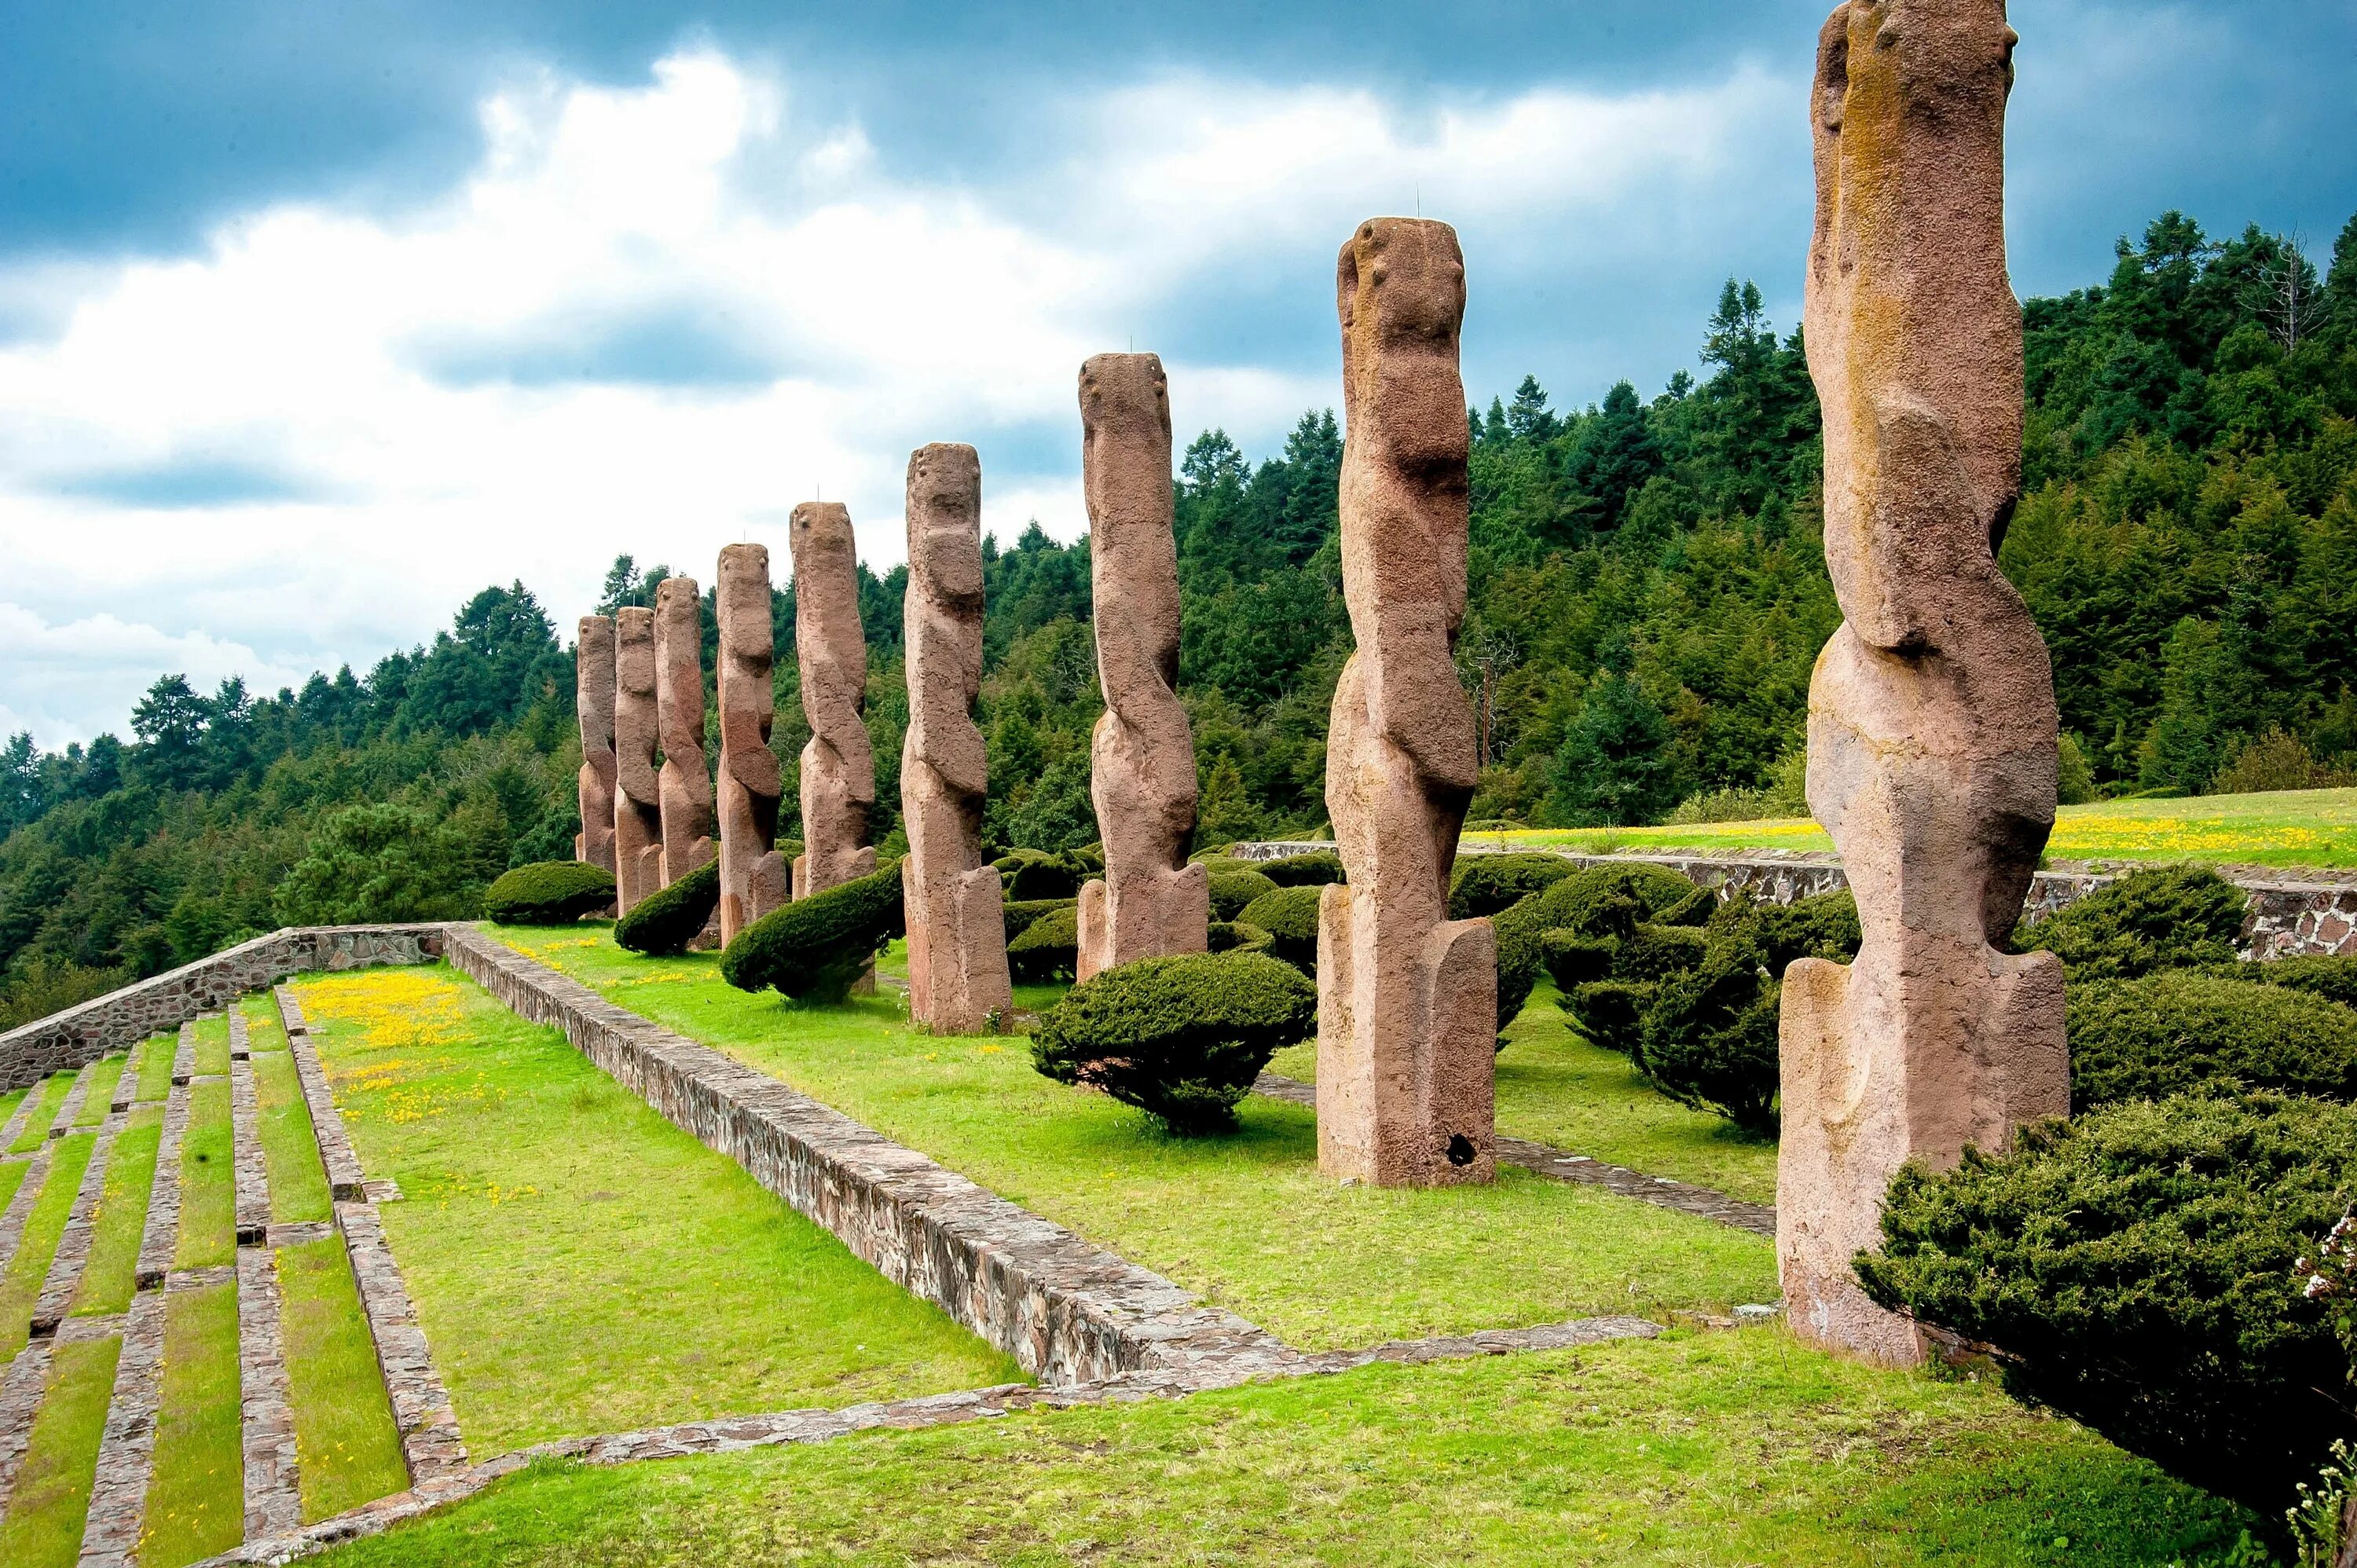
(593, 699)
(838, 772)
(1142, 773)
(1406, 997)
(752, 872)
(1932, 716)
(957, 936)
(679, 697)
(637, 792)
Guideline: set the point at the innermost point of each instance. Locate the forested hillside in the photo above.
(1647, 597)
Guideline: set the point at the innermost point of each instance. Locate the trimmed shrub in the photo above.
(815, 948)
(1049, 948)
(1233, 887)
(1521, 932)
(1180, 1038)
(1289, 914)
(2135, 1270)
(1492, 884)
(670, 917)
(1574, 960)
(2175, 918)
(2319, 974)
(1823, 926)
(1237, 936)
(550, 893)
(1610, 1014)
(1019, 913)
(1316, 869)
(1608, 900)
(1653, 952)
(1029, 875)
(1709, 1038)
(2165, 1034)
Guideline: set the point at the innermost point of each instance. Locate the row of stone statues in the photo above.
(1931, 726)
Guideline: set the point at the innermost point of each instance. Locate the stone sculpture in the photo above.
(593, 699)
(957, 935)
(1142, 778)
(637, 792)
(839, 773)
(752, 872)
(679, 699)
(1406, 997)
(1932, 715)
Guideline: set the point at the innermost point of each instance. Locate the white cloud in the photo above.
(652, 318)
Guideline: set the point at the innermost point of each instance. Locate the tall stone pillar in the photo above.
(1931, 718)
(592, 700)
(1142, 757)
(957, 935)
(752, 872)
(637, 792)
(838, 771)
(679, 694)
(1406, 997)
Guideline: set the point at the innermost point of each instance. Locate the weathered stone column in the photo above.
(957, 936)
(1142, 757)
(1931, 718)
(637, 792)
(838, 771)
(752, 872)
(679, 694)
(1406, 997)
(592, 700)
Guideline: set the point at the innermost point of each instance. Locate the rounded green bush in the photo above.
(1289, 914)
(1233, 887)
(1019, 913)
(2319, 974)
(2144, 1039)
(816, 948)
(1520, 932)
(1492, 884)
(1236, 936)
(2135, 1270)
(1574, 960)
(1049, 948)
(667, 920)
(1823, 925)
(1316, 869)
(1030, 874)
(2174, 918)
(1709, 1035)
(1609, 900)
(1610, 1014)
(1180, 1038)
(549, 893)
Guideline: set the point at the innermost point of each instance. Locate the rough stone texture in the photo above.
(70, 1108)
(686, 783)
(184, 1056)
(1142, 756)
(79, 1036)
(1066, 1310)
(20, 1207)
(957, 936)
(127, 1449)
(161, 1237)
(638, 788)
(421, 1405)
(245, 1153)
(753, 877)
(21, 1387)
(838, 771)
(241, 1040)
(593, 698)
(72, 1255)
(1406, 997)
(342, 1165)
(126, 1085)
(273, 1500)
(1932, 715)
(17, 1119)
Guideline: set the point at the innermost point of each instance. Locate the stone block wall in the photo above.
(111, 1022)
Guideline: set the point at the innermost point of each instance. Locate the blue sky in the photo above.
(315, 319)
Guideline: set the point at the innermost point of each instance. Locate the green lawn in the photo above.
(155, 1065)
(346, 1450)
(51, 1501)
(1244, 1220)
(208, 1181)
(111, 1276)
(1738, 1448)
(2292, 827)
(52, 1092)
(20, 1286)
(580, 1265)
(212, 1043)
(104, 1075)
(196, 1501)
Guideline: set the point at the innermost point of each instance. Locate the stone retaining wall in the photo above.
(119, 1018)
(2286, 920)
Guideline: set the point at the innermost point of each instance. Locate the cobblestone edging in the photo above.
(184, 1054)
(343, 1166)
(274, 1499)
(736, 1433)
(18, 1120)
(21, 1387)
(1068, 1311)
(81, 1034)
(67, 1262)
(20, 1207)
(1561, 1165)
(127, 1449)
(160, 1239)
(126, 1085)
(71, 1109)
(2286, 919)
(251, 1177)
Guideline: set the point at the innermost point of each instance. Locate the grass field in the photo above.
(2298, 827)
(196, 1505)
(1244, 1220)
(20, 1285)
(52, 1500)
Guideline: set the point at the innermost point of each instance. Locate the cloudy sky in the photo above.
(315, 319)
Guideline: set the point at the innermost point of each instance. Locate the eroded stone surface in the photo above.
(1932, 715)
(21, 1386)
(420, 1404)
(20, 1207)
(245, 1152)
(127, 1449)
(684, 786)
(1142, 755)
(593, 697)
(753, 878)
(160, 1239)
(1406, 997)
(274, 1499)
(336, 1155)
(638, 788)
(65, 1264)
(957, 937)
(838, 770)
